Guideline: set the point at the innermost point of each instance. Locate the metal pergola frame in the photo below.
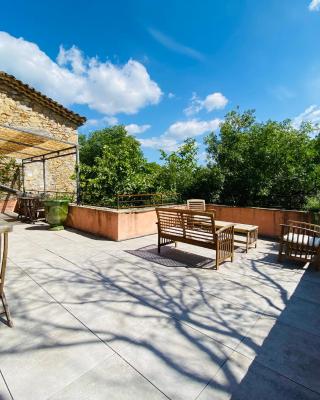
(20, 150)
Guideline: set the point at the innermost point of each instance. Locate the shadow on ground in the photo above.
(197, 334)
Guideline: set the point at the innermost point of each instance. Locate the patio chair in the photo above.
(300, 241)
(30, 208)
(196, 205)
(4, 229)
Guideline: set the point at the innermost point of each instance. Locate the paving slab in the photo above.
(302, 314)
(292, 352)
(4, 393)
(243, 379)
(45, 351)
(177, 359)
(112, 379)
(101, 319)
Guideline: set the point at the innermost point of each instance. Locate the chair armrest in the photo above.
(303, 224)
(300, 228)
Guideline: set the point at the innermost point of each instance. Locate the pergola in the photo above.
(36, 146)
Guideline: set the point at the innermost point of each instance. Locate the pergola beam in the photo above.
(24, 144)
(15, 142)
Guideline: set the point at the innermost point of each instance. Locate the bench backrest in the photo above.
(196, 204)
(186, 224)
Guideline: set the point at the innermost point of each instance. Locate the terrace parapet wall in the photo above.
(127, 224)
(268, 219)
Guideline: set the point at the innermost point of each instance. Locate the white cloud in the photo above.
(74, 57)
(171, 44)
(213, 101)
(134, 128)
(100, 122)
(191, 128)
(75, 79)
(111, 120)
(92, 122)
(179, 131)
(311, 114)
(160, 142)
(171, 95)
(314, 5)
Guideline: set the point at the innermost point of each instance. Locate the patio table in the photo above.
(250, 233)
(28, 208)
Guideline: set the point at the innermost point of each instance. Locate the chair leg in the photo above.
(316, 262)
(6, 310)
(280, 254)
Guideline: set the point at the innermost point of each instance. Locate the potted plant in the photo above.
(313, 207)
(56, 212)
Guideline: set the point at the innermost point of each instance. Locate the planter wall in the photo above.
(127, 224)
(8, 205)
(112, 224)
(95, 220)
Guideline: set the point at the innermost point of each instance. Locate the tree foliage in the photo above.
(264, 164)
(179, 167)
(9, 174)
(112, 163)
(249, 163)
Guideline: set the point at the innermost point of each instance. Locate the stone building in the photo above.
(23, 107)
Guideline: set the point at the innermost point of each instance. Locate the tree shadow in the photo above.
(182, 324)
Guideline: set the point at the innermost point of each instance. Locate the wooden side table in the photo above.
(249, 232)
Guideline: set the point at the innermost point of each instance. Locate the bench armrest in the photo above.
(224, 228)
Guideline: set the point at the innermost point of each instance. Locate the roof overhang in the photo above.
(40, 98)
(31, 144)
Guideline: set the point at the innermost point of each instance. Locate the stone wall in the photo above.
(17, 109)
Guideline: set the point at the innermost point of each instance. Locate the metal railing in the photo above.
(141, 200)
(54, 194)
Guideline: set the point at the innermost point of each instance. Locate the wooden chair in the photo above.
(196, 205)
(4, 230)
(300, 241)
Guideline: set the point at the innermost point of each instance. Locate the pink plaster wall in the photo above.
(8, 205)
(267, 219)
(127, 224)
(95, 220)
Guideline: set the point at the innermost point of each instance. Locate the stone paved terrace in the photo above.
(95, 319)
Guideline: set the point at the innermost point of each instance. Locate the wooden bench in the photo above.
(249, 233)
(196, 228)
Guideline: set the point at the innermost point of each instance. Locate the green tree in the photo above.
(9, 173)
(112, 163)
(264, 164)
(206, 184)
(179, 166)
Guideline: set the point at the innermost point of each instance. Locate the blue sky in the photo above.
(167, 69)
